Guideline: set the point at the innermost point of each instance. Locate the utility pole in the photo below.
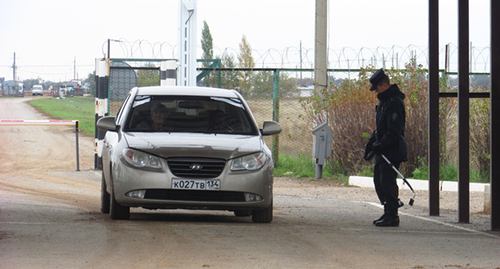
(14, 68)
(300, 52)
(74, 69)
(320, 67)
(320, 60)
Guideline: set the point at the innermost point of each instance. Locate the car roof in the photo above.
(186, 90)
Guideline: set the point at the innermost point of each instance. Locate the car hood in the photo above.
(195, 145)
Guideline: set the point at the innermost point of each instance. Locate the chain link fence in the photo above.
(296, 138)
(283, 103)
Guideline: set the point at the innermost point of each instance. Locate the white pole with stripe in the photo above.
(187, 42)
(168, 73)
(101, 106)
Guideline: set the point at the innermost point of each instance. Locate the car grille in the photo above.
(195, 195)
(196, 167)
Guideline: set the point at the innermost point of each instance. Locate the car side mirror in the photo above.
(107, 123)
(270, 128)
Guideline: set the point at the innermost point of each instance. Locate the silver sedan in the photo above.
(186, 148)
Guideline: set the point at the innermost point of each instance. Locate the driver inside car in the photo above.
(158, 115)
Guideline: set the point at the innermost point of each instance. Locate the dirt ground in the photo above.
(50, 218)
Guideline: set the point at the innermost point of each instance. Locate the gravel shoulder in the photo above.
(448, 202)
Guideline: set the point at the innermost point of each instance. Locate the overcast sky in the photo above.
(48, 35)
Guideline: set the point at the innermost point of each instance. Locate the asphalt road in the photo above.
(50, 218)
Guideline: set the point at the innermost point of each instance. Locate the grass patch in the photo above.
(74, 108)
(303, 167)
(367, 171)
(447, 172)
(296, 167)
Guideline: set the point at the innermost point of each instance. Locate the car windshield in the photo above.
(193, 114)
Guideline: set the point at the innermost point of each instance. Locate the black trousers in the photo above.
(384, 179)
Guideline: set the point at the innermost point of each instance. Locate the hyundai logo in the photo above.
(196, 166)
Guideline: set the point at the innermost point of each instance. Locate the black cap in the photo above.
(377, 78)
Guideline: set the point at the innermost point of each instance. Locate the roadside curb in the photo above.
(418, 184)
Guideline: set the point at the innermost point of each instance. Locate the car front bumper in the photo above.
(238, 190)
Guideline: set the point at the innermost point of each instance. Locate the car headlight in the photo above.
(249, 162)
(140, 159)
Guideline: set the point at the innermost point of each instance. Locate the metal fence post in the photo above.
(77, 147)
(433, 147)
(463, 112)
(495, 116)
(276, 115)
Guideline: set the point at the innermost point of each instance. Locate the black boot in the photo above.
(381, 217)
(392, 219)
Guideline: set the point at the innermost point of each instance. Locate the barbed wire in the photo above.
(346, 58)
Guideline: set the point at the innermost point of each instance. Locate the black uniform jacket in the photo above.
(391, 120)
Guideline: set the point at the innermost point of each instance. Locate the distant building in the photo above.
(12, 88)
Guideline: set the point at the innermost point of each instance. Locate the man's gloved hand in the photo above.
(369, 155)
(369, 148)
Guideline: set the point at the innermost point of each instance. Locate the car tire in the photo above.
(263, 215)
(105, 199)
(242, 213)
(117, 211)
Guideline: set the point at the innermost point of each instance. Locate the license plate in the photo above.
(196, 184)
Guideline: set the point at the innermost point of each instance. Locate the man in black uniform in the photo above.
(388, 140)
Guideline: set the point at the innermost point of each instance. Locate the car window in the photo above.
(120, 111)
(189, 114)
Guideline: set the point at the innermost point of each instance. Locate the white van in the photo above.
(37, 90)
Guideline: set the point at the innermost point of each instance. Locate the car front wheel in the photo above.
(263, 215)
(105, 199)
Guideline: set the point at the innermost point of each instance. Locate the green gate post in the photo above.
(276, 115)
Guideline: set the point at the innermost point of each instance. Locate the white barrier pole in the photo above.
(48, 123)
